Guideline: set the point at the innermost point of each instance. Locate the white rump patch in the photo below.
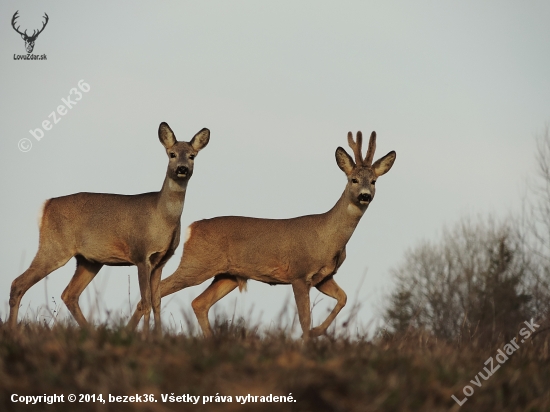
(41, 213)
(187, 234)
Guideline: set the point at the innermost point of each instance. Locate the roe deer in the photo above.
(304, 251)
(116, 230)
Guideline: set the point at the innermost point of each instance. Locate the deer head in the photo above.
(362, 173)
(181, 154)
(29, 40)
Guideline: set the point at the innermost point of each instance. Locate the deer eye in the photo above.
(172, 155)
(373, 182)
(354, 181)
(192, 156)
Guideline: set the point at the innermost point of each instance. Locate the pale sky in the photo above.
(458, 89)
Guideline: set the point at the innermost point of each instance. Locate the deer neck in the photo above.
(171, 199)
(340, 221)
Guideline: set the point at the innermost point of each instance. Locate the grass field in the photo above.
(412, 372)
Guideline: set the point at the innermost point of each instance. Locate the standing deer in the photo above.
(115, 230)
(304, 251)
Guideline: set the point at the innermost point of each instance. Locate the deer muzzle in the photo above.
(182, 171)
(364, 198)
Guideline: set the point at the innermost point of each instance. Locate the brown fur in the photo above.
(107, 229)
(304, 252)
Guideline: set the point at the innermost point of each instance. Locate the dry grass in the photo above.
(413, 372)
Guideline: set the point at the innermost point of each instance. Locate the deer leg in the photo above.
(330, 288)
(173, 283)
(84, 274)
(155, 294)
(144, 278)
(221, 286)
(136, 317)
(44, 263)
(301, 295)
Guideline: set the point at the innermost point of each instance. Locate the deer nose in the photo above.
(364, 197)
(182, 170)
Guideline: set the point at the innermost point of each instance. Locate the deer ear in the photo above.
(200, 140)
(344, 161)
(166, 136)
(384, 164)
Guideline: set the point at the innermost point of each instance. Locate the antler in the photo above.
(44, 24)
(371, 149)
(356, 147)
(43, 27)
(15, 16)
(34, 33)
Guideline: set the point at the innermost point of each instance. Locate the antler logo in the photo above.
(29, 40)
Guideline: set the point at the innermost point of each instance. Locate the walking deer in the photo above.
(304, 251)
(115, 230)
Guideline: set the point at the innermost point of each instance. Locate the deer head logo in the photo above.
(29, 40)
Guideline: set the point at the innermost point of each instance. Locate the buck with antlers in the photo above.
(305, 251)
(29, 40)
(115, 230)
